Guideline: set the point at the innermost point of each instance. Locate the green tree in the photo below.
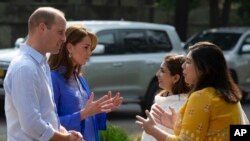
(219, 16)
(244, 11)
(181, 9)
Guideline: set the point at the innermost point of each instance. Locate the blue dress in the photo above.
(69, 103)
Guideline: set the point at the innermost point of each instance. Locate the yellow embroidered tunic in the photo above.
(205, 117)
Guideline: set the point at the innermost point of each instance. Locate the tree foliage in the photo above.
(171, 4)
(219, 12)
(181, 10)
(244, 11)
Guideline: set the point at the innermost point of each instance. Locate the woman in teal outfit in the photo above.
(73, 98)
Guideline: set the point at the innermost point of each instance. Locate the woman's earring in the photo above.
(70, 55)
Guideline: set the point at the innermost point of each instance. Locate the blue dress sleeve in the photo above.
(100, 119)
(70, 121)
(55, 89)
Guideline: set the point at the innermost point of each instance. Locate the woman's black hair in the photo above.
(213, 71)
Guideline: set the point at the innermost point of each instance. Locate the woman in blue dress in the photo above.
(75, 103)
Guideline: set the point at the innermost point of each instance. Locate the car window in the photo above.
(245, 45)
(133, 41)
(246, 40)
(145, 41)
(226, 41)
(129, 41)
(108, 39)
(159, 40)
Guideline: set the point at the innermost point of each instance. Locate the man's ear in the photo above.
(41, 27)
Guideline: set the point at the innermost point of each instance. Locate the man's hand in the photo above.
(76, 136)
(68, 136)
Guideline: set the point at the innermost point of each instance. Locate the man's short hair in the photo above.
(44, 15)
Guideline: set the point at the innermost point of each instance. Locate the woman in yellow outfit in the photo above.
(213, 103)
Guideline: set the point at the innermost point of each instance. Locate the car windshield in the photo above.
(226, 41)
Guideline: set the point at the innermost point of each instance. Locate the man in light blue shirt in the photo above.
(29, 107)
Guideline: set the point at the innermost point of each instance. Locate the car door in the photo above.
(104, 72)
(244, 62)
(121, 65)
(118, 68)
(128, 64)
(133, 42)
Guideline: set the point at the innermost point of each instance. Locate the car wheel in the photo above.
(149, 97)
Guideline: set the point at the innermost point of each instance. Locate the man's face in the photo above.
(55, 35)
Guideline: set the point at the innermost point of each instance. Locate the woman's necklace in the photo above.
(82, 93)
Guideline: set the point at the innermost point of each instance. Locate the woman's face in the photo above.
(81, 51)
(165, 79)
(189, 71)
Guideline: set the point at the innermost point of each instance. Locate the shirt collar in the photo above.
(33, 53)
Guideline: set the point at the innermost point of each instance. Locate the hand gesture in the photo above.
(116, 100)
(146, 124)
(162, 117)
(104, 104)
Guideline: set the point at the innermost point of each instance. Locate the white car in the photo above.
(126, 58)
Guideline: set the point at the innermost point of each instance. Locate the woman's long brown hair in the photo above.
(74, 34)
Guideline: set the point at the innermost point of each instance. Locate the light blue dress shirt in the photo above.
(29, 105)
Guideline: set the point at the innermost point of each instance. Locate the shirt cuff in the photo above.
(48, 134)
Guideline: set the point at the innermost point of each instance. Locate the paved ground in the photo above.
(124, 118)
